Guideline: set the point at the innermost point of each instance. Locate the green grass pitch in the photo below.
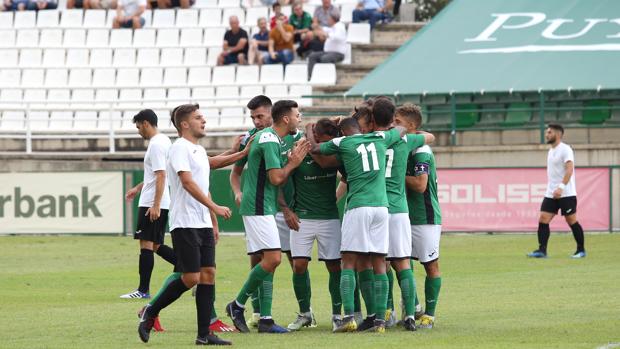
(62, 292)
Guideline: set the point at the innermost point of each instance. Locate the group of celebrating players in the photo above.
(377, 158)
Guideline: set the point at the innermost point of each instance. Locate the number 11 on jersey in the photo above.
(363, 150)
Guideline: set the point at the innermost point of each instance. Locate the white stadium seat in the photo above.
(54, 57)
(323, 74)
(121, 38)
(30, 58)
(229, 4)
(130, 98)
(287, 10)
(214, 37)
(178, 96)
(39, 120)
(51, 37)
(8, 58)
(191, 37)
(187, 18)
(276, 92)
(195, 57)
(101, 57)
(100, 37)
(86, 96)
(144, 38)
(346, 12)
(25, 19)
(229, 12)
(154, 98)
(167, 38)
(147, 15)
(104, 77)
(205, 4)
(247, 75)
(85, 120)
(124, 57)
(210, 18)
(223, 75)
(56, 77)
(247, 92)
(47, 19)
(74, 38)
(104, 96)
(175, 77)
(212, 115)
(80, 77)
(96, 19)
(151, 77)
(272, 74)
(163, 18)
(11, 97)
(203, 95)
(61, 120)
(254, 13)
(214, 52)
(6, 20)
(72, 18)
(199, 76)
(10, 77)
(7, 37)
(148, 57)
(231, 117)
(107, 120)
(358, 33)
(296, 74)
(35, 96)
(77, 57)
(27, 38)
(13, 121)
(225, 95)
(171, 56)
(127, 77)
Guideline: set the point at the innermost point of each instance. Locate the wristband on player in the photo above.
(562, 186)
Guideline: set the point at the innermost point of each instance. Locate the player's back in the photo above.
(396, 170)
(424, 207)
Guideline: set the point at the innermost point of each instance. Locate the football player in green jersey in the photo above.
(365, 222)
(260, 112)
(315, 183)
(264, 174)
(399, 251)
(424, 212)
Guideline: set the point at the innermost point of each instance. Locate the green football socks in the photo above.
(347, 288)
(367, 288)
(390, 299)
(431, 294)
(334, 291)
(266, 296)
(407, 290)
(302, 288)
(169, 279)
(255, 279)
(381, 294)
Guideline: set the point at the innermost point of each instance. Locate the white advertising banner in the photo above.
(61, 202)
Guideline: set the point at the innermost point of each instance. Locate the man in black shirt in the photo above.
(235, 44)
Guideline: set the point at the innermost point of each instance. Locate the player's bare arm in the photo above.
(417, 183)
(341, 190)
(216, 226)
(325, 161)
(569, 168)
(131, 193)
(429, 138)
(235, 183)
(224, 160)
(278, 176)
(160, 182)
(289, 215)
(194, 190)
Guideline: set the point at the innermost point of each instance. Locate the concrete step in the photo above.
(395, 33)
(350, 74)
(372, 54)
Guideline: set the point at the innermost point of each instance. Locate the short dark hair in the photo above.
(383, 111)
(181, 113)
(259, 101)
(276, 4)
(281, 108)
(327, 127)
(349, 123)
(412, 112)
(147, 115)
(556, 127)
(362, 112)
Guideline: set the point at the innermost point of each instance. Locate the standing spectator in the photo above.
(335, 44)
(259, 45)
(281, 42)
(373, 11)
(42, 5)
(277, 12)
(129, 14)
(301, 22)
(235, 44)
(322, 14)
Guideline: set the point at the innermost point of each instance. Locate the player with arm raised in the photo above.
(264, 175)
(561, 193)
(424, 211)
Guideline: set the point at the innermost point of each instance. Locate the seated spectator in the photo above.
(235, 44)
(163, 4)
(335, 44)
(373, 11)
(322, 14)
(129, 14)
(277, 12)
(92, 4)
(259, 45)
(301, 22)
(281, 42)
(42, 5)
(15, 5)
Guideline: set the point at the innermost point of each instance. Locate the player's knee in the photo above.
(190, 279)
(333, 266)
(432, 269)
(207, 276)
(300, 266)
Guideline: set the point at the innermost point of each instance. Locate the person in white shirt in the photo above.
(561, 193)
(154, 202)
(129, 14)
(193, 225)
(335, 47)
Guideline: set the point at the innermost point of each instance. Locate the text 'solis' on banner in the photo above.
(67, 202)
(510, 199)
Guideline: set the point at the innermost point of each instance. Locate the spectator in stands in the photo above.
(42, 5)
(277, 12)
(15, 5)
(92, 4)
(235, 44)
(172, 3)
(301, 22)
(322, 14)
(281, 42)
(129, 14)
(335, 44)
(259, 45)
(373, 11)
